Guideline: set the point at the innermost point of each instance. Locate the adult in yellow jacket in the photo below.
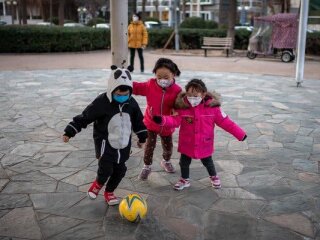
(137, 39)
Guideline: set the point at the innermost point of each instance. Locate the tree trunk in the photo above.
(270, 5)
(143, 14)
(134, 6)
(156, 5)
(23, 11)
(61, 12)
(285, 6)
(184, 4)
(232, 21)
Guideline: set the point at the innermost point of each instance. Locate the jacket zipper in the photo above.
(120, 109)
(161, 106)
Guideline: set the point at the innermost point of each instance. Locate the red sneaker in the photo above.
(94, 190)
(110, 198)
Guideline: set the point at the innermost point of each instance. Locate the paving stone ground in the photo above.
(270, 183)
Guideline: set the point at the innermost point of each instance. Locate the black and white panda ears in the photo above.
(114, 67)
(130, 68)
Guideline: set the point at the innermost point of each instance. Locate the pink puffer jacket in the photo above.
(196, 134)
(160, 102)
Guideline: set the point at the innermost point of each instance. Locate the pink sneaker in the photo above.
(110, 198)
(145, 172)
(94, 190)
(167, 166)
(181, 184)
(215, 181)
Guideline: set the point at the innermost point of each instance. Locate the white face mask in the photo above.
(194, 101)
(164, 83)
(134, 18)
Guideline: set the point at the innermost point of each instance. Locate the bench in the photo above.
(216, 43)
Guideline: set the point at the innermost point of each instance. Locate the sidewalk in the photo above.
(270, 182)
(186, 60)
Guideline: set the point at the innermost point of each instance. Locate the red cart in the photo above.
(274, 35)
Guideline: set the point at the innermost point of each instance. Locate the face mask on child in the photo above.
(120, 98)
(194, 101)
(164, 83)
(135, 18)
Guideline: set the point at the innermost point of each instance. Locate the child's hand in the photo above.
(140, 145)
(65, 138)
(157, 119)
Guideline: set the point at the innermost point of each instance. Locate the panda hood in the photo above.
(119, 77)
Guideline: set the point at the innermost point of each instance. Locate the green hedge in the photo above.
(61, 39)
(52, 39)
(313, 43)
(192, 38)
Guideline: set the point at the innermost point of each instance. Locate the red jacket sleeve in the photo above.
(223, 121)
(171, 121)
(140, 88)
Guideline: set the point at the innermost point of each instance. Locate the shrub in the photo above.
(198, 23)
(52, 39)
(95, 21)
(152, 19)
(59, 39)
(313, 43)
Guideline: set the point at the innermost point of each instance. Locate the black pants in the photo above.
(112, 171)
(185, 162)
(140, 54)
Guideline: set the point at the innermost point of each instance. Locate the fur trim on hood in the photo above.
(212, 99)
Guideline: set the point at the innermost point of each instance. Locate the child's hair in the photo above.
(137, 14)
(196, 84)
(167, 63)
(122, 88)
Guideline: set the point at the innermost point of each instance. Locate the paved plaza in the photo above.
(270, 182)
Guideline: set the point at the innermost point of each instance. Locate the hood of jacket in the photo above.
(118, 77)
(212, 99)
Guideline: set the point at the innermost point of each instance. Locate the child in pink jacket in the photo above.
(161, 93)
(198, 113)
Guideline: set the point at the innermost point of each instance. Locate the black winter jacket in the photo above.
(113, 125)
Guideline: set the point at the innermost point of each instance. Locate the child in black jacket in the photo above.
(115, 114)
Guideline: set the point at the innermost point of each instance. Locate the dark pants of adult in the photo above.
(140, 54)
(111, 172)
(185, 162)
(166, 142)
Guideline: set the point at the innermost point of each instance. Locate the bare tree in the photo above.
(61, 12)
(270, 5)
(285, 6)
(232, 20)
(156, 5)
(134, 6)
(22, 8)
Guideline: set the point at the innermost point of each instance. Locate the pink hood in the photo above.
(196, 134)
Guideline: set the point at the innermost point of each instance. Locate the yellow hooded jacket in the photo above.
(137, 35)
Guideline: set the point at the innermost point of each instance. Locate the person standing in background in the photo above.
(137, 39)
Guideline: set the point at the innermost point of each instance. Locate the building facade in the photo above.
(216, 10)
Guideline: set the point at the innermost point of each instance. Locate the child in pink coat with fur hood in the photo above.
(198, 113)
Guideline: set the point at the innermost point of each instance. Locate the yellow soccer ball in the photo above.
(133, 208)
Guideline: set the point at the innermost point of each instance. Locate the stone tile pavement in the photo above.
(270, 183)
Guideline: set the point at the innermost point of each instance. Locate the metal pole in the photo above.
(176, 24)
(4, 8)
(119, 32)
(301, 46)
